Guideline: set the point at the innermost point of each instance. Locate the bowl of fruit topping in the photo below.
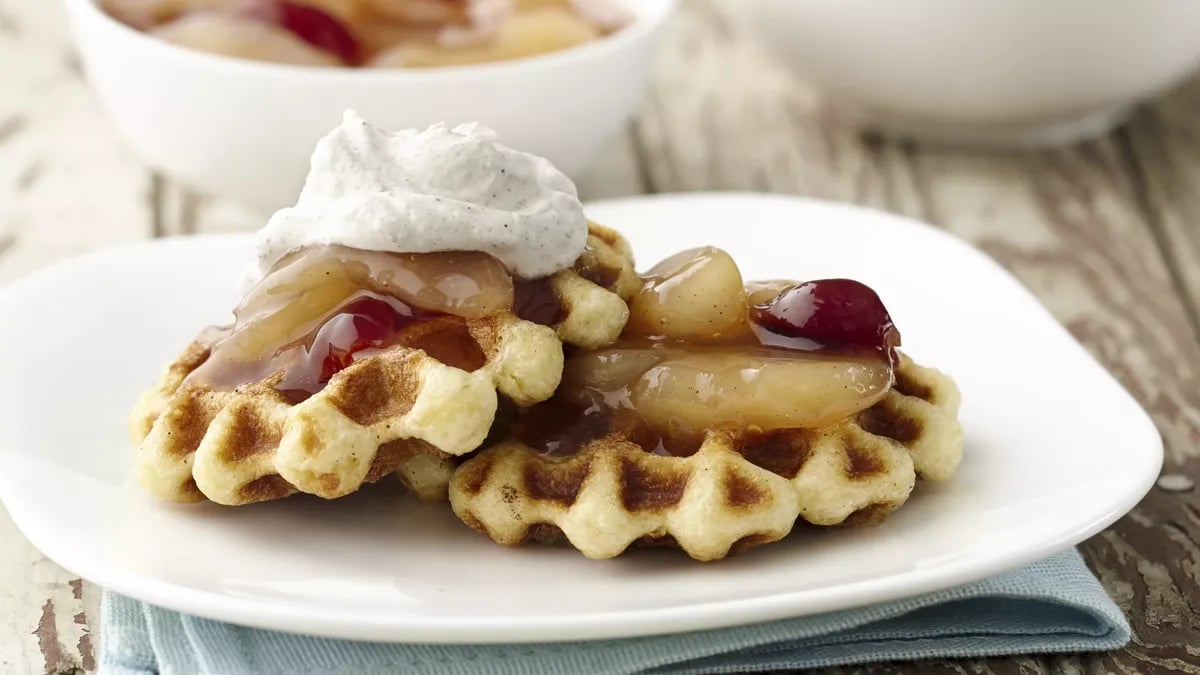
(224, 95)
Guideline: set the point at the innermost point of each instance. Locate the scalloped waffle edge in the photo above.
(731, 495)
(400, 411)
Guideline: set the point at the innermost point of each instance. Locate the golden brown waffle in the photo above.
(734, 493)
(401, 411)
(608, 262)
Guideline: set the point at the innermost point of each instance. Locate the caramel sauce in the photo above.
(667, 397)
(561, 428)
(536, 301)
(367, 325)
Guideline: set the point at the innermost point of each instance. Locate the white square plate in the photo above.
(1055, 451)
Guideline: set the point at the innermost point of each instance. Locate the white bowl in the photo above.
(244, 130)
(985, 71)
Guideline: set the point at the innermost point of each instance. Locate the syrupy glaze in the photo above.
(705, 352)
(666, 398)
(535, 300)
(322, 308)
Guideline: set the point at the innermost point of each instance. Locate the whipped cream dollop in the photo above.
(440, 189)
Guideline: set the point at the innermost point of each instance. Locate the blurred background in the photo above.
(817, 98)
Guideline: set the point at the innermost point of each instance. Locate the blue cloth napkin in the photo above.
(1054, 605)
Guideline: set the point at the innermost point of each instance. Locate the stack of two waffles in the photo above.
(448, 431)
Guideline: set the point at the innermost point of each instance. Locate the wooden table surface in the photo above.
(1104, 233)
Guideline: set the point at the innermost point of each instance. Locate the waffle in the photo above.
(400, 411)
(736, 492)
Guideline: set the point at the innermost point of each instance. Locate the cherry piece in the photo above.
(316, 27)
(831, 312)
(369, 322)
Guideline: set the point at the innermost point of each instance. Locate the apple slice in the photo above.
(761, 292)
(696, 295)
(287, 305)
(741, 389)
(608, 372)
(468, 284)
(242, 37)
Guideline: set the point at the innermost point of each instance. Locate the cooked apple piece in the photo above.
(467, 284)
(286, 306)
(731, 389)
(525, 33)
(545, 29)
(310, 283)
(760, 292)
(248, 38)
(607, 371)
(695, 295)
(421, 11)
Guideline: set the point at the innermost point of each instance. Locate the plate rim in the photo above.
(346, 624)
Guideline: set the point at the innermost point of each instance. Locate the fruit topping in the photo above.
(242, 37)
(696, 295)
(837, 313)
(311, 24)
(368, 322)
(737, 389)
(705, 352)
(320, 308)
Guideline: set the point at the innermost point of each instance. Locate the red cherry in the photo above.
(832, 312)
(366, 323)
(374, 321)
(334, 362)
(316, 27)
(333, 346)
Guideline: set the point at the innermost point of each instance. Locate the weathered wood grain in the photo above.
(66, 187)
(1163, 143)
(1077, 226)
(44, 613)
(1069, 224)
(720, 116)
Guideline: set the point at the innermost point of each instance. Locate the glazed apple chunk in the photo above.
(753, 390)
(705, 351)
(694, 295)
(322, 308)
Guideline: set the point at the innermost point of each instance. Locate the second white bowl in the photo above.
(996, 72)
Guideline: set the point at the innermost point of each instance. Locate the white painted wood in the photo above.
(44, 614)
(66, 187)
